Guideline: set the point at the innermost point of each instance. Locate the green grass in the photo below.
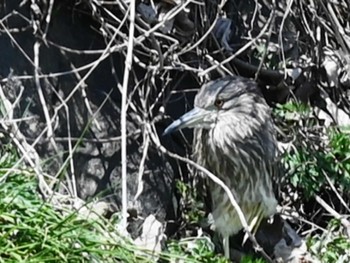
(31, 230)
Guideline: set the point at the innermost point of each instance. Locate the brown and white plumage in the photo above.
(234, 139)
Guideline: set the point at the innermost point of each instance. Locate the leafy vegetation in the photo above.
(311, 160)
(317, 162)
(200, 249)
(192, 203)
(332, 245)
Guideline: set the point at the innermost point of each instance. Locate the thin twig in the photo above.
(48, 18)
(241, 50)
(331, 184)
(268, 39)
(28, 152)
(194, 45)
(280, 36)
(335, 214)
(142, 165)
(128, 63)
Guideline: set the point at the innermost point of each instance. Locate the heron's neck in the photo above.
(234, 137)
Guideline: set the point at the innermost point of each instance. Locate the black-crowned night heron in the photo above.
(234, 139)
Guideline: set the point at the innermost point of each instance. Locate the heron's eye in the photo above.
(219, 103)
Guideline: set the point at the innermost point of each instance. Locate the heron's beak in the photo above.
(189, 120)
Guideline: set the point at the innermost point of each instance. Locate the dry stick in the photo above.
(152, 37)
(223, 2)
(71, 184)
(70, 155)
(266, 44)
(335, 191)
(10, 107)
(29, 153)
(84, 95)
(219, 182)
(170, 15)
(17, 44)
(62, 73)
(280, 36)
(214, 61)
(16, 120)
(91, 140)
(48, 18)
(49, 121)
(142, 166)
(76, 51)
(50, 134)
(241, 50)
(40, 92)
(128, 63)
(306, 23)
(343, 221)
(339, 31)
(256, 9)
(146, 139)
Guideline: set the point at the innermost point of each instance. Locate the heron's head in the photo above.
(226, 101)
